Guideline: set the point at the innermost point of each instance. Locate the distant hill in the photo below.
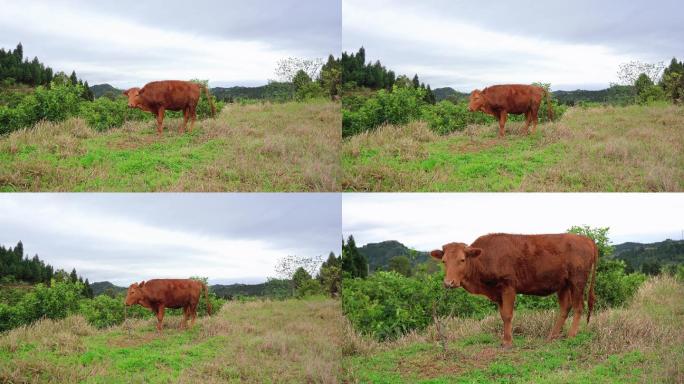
(617, 94)
(446, 92)
(663, 253)
(100, 90)
(379, 254)
(105, 286)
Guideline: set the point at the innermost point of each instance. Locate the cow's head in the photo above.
(135, 293)
(477, 101)
(133, 95)
(455, 257)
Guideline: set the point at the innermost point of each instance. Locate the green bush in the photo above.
(104, 113)
(387, 304)
(613, 286)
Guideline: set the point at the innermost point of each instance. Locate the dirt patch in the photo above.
(433, 363)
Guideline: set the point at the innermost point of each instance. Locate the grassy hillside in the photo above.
(640, 343)
(662, 252)
(634, 148)
(262, 147)
(294, 341)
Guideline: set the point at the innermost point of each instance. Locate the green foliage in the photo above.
(330, 275)
(104, 113)
(354, 264)
(372, 75)
(386, 304)
(401, 265)
(310, 287)
(446, 117)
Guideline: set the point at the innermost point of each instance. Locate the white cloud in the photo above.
(468, 55)
(121, 247)
(107, 48)
(427, 221)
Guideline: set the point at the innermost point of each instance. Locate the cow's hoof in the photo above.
(506, 347)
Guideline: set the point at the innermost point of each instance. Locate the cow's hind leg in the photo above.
(577, 308)
(193, 116)
(528, 120)
(160, 121)
(160, 318)
(186, 115)
(503, 115)
(565, 301)
(535, 120)
(506, 311)
(186, 314)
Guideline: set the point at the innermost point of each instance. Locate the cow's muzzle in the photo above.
(450, 284)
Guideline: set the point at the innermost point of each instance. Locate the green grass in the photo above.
(635, 148)
(260, 147)
(641, 343)
(290, 341)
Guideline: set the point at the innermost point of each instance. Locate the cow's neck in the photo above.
(472, 278)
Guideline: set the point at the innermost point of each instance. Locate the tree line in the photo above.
(357, 73)
(15, 69)
(15, 267)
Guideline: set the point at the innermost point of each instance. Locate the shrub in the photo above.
(104, 311)
(387, 304)
(104, 113)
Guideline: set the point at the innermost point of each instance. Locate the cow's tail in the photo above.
(549, 107)
(206, 298)
(591, 297)
(211, 103)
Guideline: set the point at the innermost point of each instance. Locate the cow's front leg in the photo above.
(506, 311)
(503, 115)
(160, 318)
(160, 121)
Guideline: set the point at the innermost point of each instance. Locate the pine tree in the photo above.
(72, 276)
(415, 81)
(73, 78)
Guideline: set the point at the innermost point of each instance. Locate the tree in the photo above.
(300, 277)
(415, 82)
(287, 68)
(628, 73)
(73, 78)
(300, 79)
(401, 265)
(642, 83)
(72, 276)
(354, 264)
(330, 275)
(600, 237)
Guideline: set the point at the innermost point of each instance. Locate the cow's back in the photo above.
(173, 293)
(513, 98)
(535, 264)
(171, 94)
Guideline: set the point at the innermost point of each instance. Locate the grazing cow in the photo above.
(159, 294)
(500, 100)
(172, 95)
(500, 266)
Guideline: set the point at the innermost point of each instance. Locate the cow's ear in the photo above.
(125, 93)
(473, 252)
(141, 284)
(437, 254)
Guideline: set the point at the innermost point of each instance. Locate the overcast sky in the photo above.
(128, 43)
(428, 221)
(472, 44)
(130, 237)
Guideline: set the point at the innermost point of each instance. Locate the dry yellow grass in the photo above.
(260, 147)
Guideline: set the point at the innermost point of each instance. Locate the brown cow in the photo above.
(159, 294)
(500, 266)
(172, 95)
(500, 100)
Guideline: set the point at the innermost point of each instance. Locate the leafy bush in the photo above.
(104, 311)
(446, 117)
(387, 304)
(614, 287)
(104, 113)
